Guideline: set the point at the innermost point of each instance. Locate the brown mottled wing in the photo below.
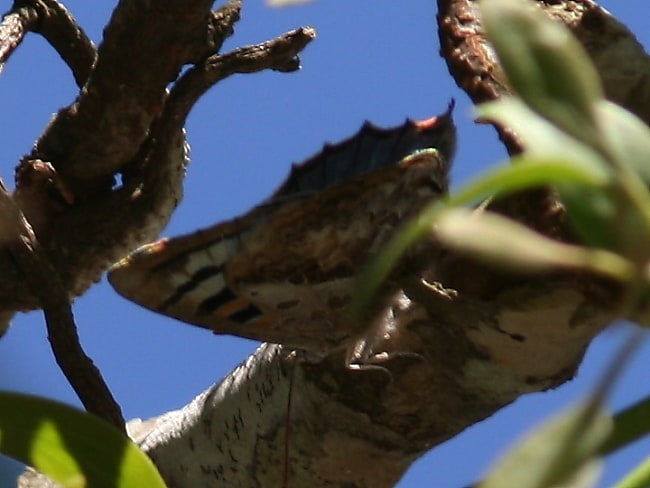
(177, 276)
(284, 272)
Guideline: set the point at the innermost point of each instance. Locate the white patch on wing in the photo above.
(198, 260)
(220, 252)
(206, 289)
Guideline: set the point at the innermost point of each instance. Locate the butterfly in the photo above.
(285, 271)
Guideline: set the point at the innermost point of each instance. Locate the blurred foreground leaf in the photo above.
(560, 453)
(505, 243)
(628, 138)
(592, 210)
(629, 425)
(530, 172)
(73, 448)
(545, 64)
(639, 477)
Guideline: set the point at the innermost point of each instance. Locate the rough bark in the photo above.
(476, 356)
(467, 340)
(67, 220)
(124, 122)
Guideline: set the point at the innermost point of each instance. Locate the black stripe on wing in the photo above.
(197, 278)
(213, 303)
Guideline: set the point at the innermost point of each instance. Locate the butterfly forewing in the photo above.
(284, 272)
(178, 277)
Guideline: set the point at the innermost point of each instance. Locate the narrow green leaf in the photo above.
(553, 454)
(545, 65)
(602, 217)
(73, 448)
(530, 171)
(503, 242)
(629, 425)
(377, 270)
(559, 452)
(505, 179)
(539, 136)
(639, 477)
(593, 214)
(627, 136)
(628, 141)
(593, 211)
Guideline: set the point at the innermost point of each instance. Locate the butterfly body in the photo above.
(285, 272)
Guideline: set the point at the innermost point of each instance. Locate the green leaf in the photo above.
(592, 210)
(629, 425)
(564, 450)
(627, 140)
(529, 172)
(503, 242)
(539, 136)
(73, 448)
(639, 477)
(627, 136)
(545, 65)
(600, 215)
(593, 214)
(555, 454)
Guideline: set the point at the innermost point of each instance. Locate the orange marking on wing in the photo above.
(264, 321)
(231, 307)
(426, 124)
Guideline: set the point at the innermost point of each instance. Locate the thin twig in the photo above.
(17, 237)
(53, 21)
(58, 26)
(223, 23)
(280, 54)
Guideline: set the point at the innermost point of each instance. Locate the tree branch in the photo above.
(14, 27)
(43, 280)
(53, 21)
(623, 64)
(59, 28)
(115, 220)
(222, 25)
(476, 356)
(280, 54)
(104, 129)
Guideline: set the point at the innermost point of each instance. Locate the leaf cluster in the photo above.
(595, 156)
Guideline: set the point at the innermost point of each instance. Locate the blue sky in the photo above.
(373, 60)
